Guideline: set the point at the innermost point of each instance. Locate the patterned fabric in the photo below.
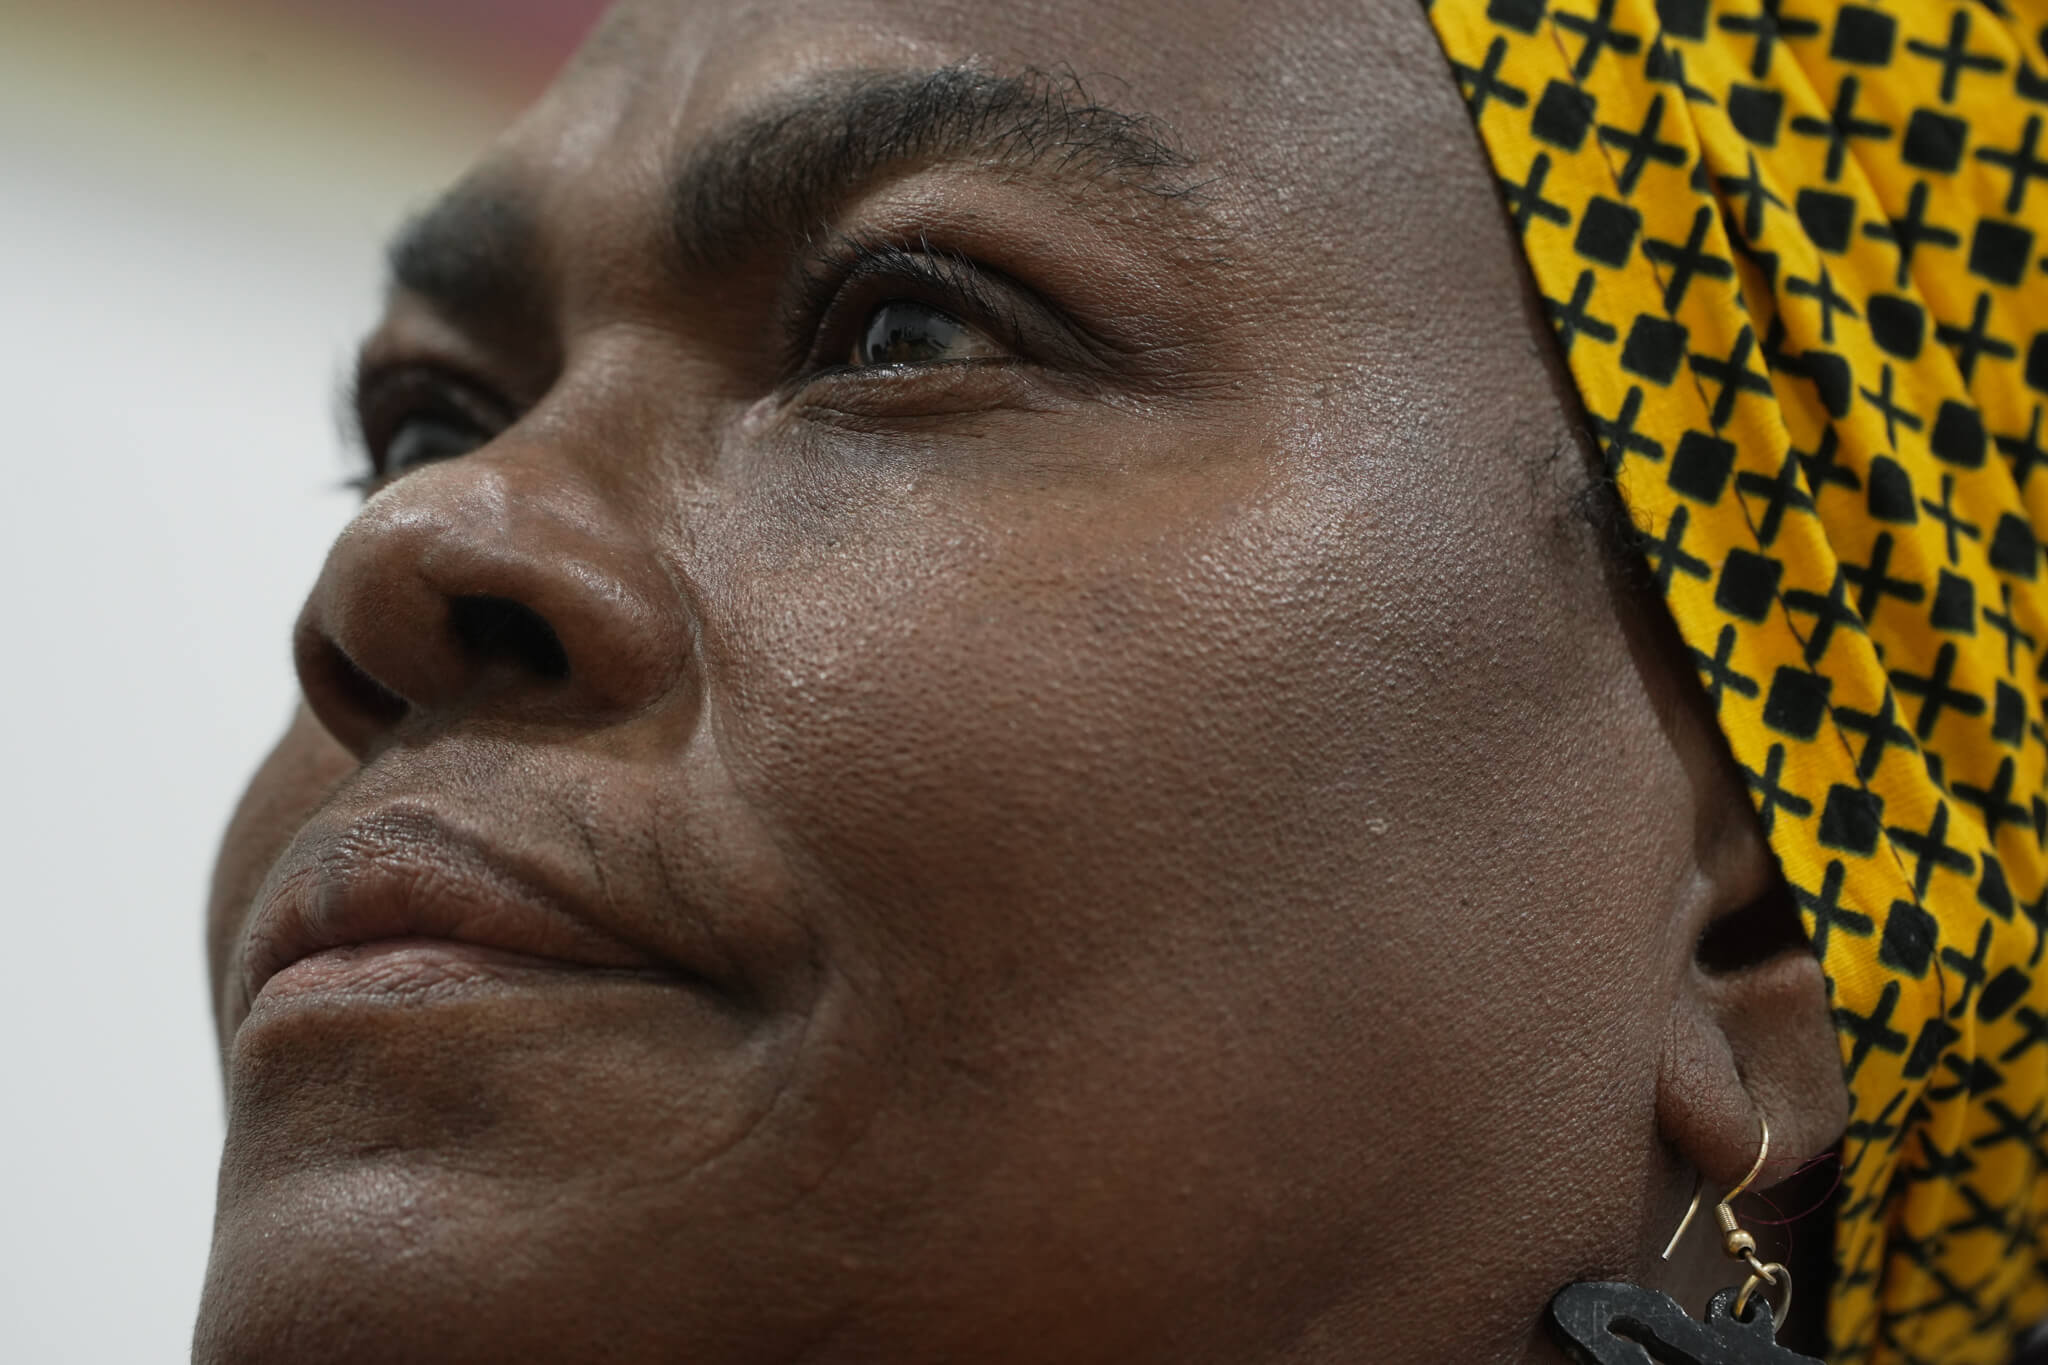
(1793, 253)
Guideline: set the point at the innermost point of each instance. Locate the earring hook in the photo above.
(1699, 1186)
(1737, 1242)
(1726, 1215)
(1763, 1152)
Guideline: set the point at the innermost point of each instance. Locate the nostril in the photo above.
(359, 691)
(499, 630)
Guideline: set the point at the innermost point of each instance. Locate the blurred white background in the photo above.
(192, 196)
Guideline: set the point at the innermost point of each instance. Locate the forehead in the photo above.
(1269, 99)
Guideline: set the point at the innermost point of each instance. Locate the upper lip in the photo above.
(404, 872)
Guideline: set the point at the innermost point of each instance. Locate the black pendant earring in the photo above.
(1601, 1323)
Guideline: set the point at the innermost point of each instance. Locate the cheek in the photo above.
(1245, 819)
(1044, 691)
(299, 773)
(1217, 678)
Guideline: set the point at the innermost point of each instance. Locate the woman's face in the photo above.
(992, 721)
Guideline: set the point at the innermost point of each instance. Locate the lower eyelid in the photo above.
(876, 398)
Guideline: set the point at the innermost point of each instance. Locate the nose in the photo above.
(491, 588)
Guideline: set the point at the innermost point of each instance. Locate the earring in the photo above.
(1603, 1323)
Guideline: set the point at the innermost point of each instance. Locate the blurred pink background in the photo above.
(514, 42)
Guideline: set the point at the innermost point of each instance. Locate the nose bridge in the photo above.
(497, 583)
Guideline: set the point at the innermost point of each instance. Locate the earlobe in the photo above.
(1751, 1035)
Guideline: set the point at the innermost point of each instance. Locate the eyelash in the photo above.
(355, 436)
(845, 279)
(378, 403)
(836, 291)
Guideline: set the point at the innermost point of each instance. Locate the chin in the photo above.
(484, 1175)
(396, 1260)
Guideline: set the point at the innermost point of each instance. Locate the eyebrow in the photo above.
(774, 174)
(474, 251)
(779, 170)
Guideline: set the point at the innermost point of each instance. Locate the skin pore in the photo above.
(1002, 580)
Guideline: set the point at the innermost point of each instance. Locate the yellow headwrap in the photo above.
(1794, 253)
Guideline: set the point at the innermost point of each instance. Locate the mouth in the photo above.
(399, 906)
(417, 967)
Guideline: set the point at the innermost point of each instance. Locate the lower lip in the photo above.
(401, 969)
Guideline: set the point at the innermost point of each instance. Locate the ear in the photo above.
(1751, 1036)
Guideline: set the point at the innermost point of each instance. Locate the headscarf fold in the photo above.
(1793, 251)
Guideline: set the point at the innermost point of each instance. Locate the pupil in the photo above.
(908, 334)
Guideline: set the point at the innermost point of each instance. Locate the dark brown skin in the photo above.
(1170, 847)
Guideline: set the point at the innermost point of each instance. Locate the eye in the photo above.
(409, 416)
(425, 437)
(901, 332)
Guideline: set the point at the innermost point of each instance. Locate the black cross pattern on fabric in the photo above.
(1526, 201)
(1955, 55)
(1717, 675)
(1758, 199)
(1618, 435)
(1975, 340)
(1571, 319)
(1910, 231)
(1733, 375)
(1686, 262)
(1641, 146)
(1483, 83)
(1828, 610)
(1795, 254)
(1874, 583)
(1895, 416)
(2022, 163)
(2025, 452)
(1667, 554)
(1880, 729)
(2010, 629)
(1822, 289)
(1840, 127)
(1771, 794)
(1768, 25)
